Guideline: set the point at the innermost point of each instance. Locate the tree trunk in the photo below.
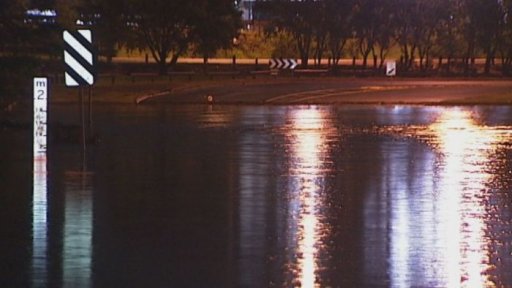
(365, 58)
(487, 67)
(304, 46)
(503, 66)
(320, 46)
(162, 67)
(304, 60)
(489, 60)
(382, 56)
(374, 58)
(404, 59)
(205, 63)
(469, 55)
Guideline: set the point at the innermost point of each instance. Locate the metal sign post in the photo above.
(79, 59)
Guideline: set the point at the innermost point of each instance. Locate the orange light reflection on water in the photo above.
(467, 153)
(308, 137)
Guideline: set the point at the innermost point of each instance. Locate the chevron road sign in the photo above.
(276, 63)
(79, 58)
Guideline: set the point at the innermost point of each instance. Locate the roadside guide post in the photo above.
(80, 71)
(391, 68)
(79, 58)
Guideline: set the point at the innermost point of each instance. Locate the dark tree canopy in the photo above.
(169, 28)
(165, 27)
(14, 32)
(421, 29)
(218, 22)
(110, 28)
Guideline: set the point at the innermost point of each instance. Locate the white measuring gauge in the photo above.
(40, 116)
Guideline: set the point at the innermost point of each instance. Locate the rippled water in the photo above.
(309, 196)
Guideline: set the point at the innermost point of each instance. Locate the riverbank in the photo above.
(269, 90)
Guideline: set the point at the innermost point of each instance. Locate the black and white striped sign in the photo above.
(283, 63)
(78, 58)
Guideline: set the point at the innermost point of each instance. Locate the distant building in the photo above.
(40, 16)
(247, 8)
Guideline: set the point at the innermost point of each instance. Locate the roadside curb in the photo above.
(143, 98)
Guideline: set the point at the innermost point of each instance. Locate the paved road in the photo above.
(341, 91)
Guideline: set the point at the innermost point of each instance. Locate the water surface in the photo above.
(226, 196)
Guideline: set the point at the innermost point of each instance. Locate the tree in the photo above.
(468, 10)
(448, 41)
(489, 20)
(14, 32)
(406, 16)
(218, 23)
(298, 18)
(385, 30)
(339, 17)
(431, 14)
(108, 22)
(505, 45)
(164, 27)
(366, 22)
(17, 62)
(168, 28)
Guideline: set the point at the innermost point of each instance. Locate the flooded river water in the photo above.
(255, 196)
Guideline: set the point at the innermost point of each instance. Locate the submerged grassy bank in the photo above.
(285, 90)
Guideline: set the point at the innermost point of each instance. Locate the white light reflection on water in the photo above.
(308, 132)
(40, 222)
(467, 150)
(457, 250)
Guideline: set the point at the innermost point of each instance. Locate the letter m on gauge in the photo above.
(79, 58)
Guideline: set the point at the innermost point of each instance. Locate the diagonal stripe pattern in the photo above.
(78, 58)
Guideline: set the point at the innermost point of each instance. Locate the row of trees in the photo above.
(165, 28)
(422, 29)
